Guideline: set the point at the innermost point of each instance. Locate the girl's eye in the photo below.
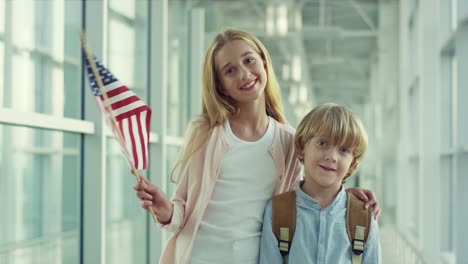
(249, 60)
(229, 71)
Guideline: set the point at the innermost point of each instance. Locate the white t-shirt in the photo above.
(231, 226)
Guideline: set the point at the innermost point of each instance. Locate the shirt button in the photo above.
(321, 242)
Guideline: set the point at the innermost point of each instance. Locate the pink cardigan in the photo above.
(197, 179)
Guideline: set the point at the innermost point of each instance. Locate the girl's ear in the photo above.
(300, 156)
(221, 89)
(224, 91)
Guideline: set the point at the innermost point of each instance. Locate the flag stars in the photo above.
(132, 116)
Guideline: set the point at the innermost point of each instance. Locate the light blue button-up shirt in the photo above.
(320, 236)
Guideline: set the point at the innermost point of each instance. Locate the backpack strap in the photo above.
(284, 221)
(358, 221)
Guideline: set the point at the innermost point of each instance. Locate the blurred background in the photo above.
(66, 190)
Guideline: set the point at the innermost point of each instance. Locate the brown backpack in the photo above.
(358, 222)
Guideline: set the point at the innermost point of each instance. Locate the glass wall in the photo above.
(42, 44)
(40, 179)
(40, 194)
(128, 60)
(412, 127)
(126, 220)
(178, 65)
(447, 159)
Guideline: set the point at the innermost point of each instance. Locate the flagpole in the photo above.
(120, 138)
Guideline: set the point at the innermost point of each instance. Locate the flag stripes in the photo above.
(132, 115)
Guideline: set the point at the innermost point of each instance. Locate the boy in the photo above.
(330, 141)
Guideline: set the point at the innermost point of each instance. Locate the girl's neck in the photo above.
(250, 122)
(324, 196)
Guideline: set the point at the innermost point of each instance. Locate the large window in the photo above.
(172, 154)
(40, 72)
(453, 14)
(40, 191)
(448, 144)
(2, 48)
(126, 225)
(43, 59)
(413, 125)
(449, 131)
(178, 66)
(128, 60)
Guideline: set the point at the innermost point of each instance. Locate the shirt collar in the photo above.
(304, 199)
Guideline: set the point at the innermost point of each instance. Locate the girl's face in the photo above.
(241, 72)
(325, 164)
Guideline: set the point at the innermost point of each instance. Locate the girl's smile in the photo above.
(249, 86)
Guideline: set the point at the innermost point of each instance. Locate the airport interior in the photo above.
(66, 187)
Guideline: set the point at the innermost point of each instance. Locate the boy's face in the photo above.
(325, 164)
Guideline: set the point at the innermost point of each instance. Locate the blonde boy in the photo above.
(330, 141)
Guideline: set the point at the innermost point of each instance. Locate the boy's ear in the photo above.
(352, 167)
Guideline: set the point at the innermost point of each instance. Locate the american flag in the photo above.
(132, 115)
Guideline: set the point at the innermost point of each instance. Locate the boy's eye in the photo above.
(321, 142)
(345, 150)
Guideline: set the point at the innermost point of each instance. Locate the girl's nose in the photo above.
(245, 73)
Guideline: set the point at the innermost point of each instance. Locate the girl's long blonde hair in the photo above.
(216, 106)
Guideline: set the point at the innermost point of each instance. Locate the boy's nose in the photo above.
(330, 155)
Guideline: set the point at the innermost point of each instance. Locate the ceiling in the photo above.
(336, 42)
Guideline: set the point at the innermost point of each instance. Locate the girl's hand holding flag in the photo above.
(153, 197)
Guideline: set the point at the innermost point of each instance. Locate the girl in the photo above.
(239, 153)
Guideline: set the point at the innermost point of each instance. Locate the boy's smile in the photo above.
(326, 168)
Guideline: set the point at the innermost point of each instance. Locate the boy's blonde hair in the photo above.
(339, 125)
(216, 106)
